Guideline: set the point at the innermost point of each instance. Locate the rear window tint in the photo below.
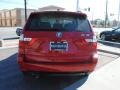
(48, 22)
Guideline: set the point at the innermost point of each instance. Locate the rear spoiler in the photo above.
(61, 13)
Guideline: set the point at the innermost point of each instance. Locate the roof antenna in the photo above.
(77, 6)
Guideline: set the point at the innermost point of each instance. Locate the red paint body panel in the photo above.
(53, 67)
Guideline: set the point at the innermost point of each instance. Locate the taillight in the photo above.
(23, 43)
(27, 39)
(91, 40)
(24, 39)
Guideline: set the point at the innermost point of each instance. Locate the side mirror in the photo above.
(18, 31)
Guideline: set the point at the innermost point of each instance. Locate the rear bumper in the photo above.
(61, 68)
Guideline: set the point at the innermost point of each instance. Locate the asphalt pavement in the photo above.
(106, 78)
(11, 78)
(108, 49)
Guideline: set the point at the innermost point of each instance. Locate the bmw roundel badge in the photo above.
(58, 34)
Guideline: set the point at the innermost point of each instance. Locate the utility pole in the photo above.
(25, 4)
(118, 14)
(106, 14)
(77, 6)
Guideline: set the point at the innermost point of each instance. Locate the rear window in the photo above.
(60, 22)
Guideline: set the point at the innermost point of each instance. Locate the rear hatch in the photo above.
(58, 37)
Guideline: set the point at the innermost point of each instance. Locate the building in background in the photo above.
(8, 18)
(16, 17)
(0, 19)
(3, 17)
(51, 8)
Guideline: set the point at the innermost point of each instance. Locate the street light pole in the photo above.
(118, 14)
(25, 10)
(77, 6)
(106, 13)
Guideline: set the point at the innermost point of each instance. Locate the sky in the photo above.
(97, 7)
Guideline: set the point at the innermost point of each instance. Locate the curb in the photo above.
(8, 47)
(108, 43)
(112, 44)
(4, 39)
(11, 38)
(111, 52)
(1, 42)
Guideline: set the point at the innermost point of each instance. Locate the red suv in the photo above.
(57, 42)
